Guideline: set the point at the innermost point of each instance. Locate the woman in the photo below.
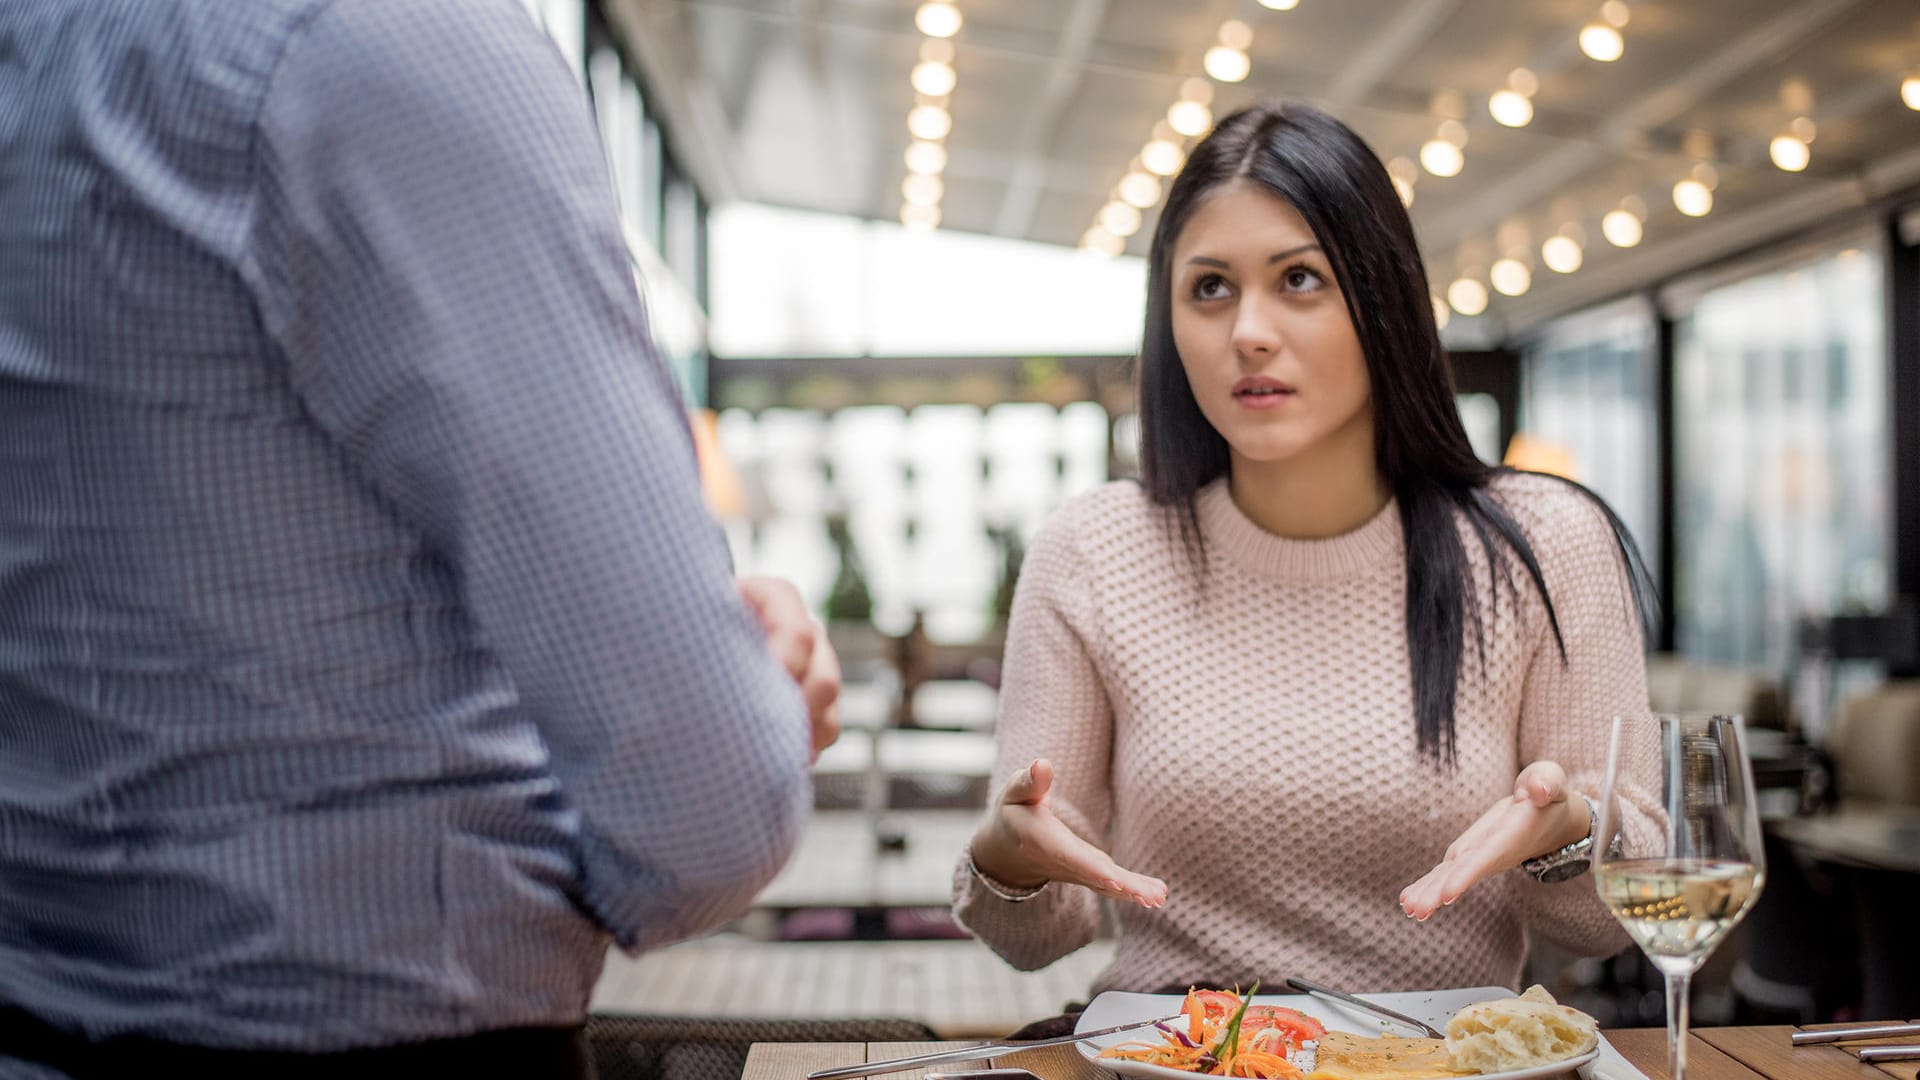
(1257, 696)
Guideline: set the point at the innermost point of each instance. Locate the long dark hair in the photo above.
(1328, 174)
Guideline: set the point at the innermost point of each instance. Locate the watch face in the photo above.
(1572, 868)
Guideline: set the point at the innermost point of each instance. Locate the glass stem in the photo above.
(1677, 1025)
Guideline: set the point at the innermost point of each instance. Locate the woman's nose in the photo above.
(1256, 335)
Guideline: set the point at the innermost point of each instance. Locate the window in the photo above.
(1587, 403)
(1781, 443)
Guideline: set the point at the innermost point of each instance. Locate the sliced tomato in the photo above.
(1218, 1004)
(1298, 1026)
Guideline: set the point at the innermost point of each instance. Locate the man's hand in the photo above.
(800, 644)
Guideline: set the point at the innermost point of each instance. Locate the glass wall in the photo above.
(1588, 408)
(1783, 486)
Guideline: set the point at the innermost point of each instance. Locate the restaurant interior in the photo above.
(895, 253)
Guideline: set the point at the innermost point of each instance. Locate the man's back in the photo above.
(345, 537)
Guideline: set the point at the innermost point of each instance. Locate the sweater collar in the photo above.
(1280, 558)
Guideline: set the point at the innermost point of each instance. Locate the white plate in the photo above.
(1436, 1007)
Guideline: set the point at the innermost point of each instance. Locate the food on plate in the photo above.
(1518, 1033)
(1223, 1034)
(1343, 1055)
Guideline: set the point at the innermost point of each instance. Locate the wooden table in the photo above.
(1735, 1053)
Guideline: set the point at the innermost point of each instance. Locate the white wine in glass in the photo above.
(1679, 891)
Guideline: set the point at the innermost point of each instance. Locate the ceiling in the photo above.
(803, 103)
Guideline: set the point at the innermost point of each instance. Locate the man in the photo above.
(366, 658)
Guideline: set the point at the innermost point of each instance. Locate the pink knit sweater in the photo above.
(1250, 740)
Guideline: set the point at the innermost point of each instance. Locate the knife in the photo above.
(975, 1053)
(1317, 990)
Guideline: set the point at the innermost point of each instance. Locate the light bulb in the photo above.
(1455, 132)
(1140, 189)
(933, 78)
(1615, 13)
(1120, 219)
(1102, 241)
(1692, 198)
(1226, 65)
(1467, 296)
(1511, 277)
(1601, 42)
(929, 122)
(1803, 129)
(1442, 158)
(938, 19)
(1511, 108)
(1910, 92)
(1621, 228)
(1405, 190)
(926, 158)
(1789, 153)
(1279, 5)
(922, 190)
(1190, 118)
(1235, 34)
(1442, 314)
(920, 217)
(1523, 81)
(1162, 157)
(1403, 169)
(1561, 254)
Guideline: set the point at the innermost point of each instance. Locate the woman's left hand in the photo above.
(1541, 815)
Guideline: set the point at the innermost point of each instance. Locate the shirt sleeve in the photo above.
(440, 263)
(1053, 704)
(1567, 708)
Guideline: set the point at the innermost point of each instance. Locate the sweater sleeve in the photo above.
(1567, 707)
(1053, 704)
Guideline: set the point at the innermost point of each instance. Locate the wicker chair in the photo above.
(691, 1048)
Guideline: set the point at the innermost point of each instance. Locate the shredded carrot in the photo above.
(1207, 1031)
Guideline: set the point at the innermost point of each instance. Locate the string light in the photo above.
(1511, 277)
(926, 158)
(929, 122)
(1467, 296)
(1190, 118)
(938, 19)
(1561, 254)
(1510, 108)
(1442, 158)
(1140, 189)
(1102, 241)
(1602, 42)
(1226, 65)
(1621, 228)
(933, 78)
(1692, 198)
(1162, 157)
(1910, 92)
(1789, 153)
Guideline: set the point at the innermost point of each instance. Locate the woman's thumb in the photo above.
(1030, 784)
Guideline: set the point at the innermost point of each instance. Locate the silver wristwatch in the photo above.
(1574, 859)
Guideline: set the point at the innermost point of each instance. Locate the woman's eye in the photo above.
(1211, 287)
(1300, 279)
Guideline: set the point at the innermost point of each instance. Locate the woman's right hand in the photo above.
(1025, 844)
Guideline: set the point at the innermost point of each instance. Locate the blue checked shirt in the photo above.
(367, 659)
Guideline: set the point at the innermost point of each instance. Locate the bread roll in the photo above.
(1518, 1033)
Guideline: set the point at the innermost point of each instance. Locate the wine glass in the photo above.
(1679, 890)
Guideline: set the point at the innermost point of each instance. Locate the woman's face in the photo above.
(1263, 332)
